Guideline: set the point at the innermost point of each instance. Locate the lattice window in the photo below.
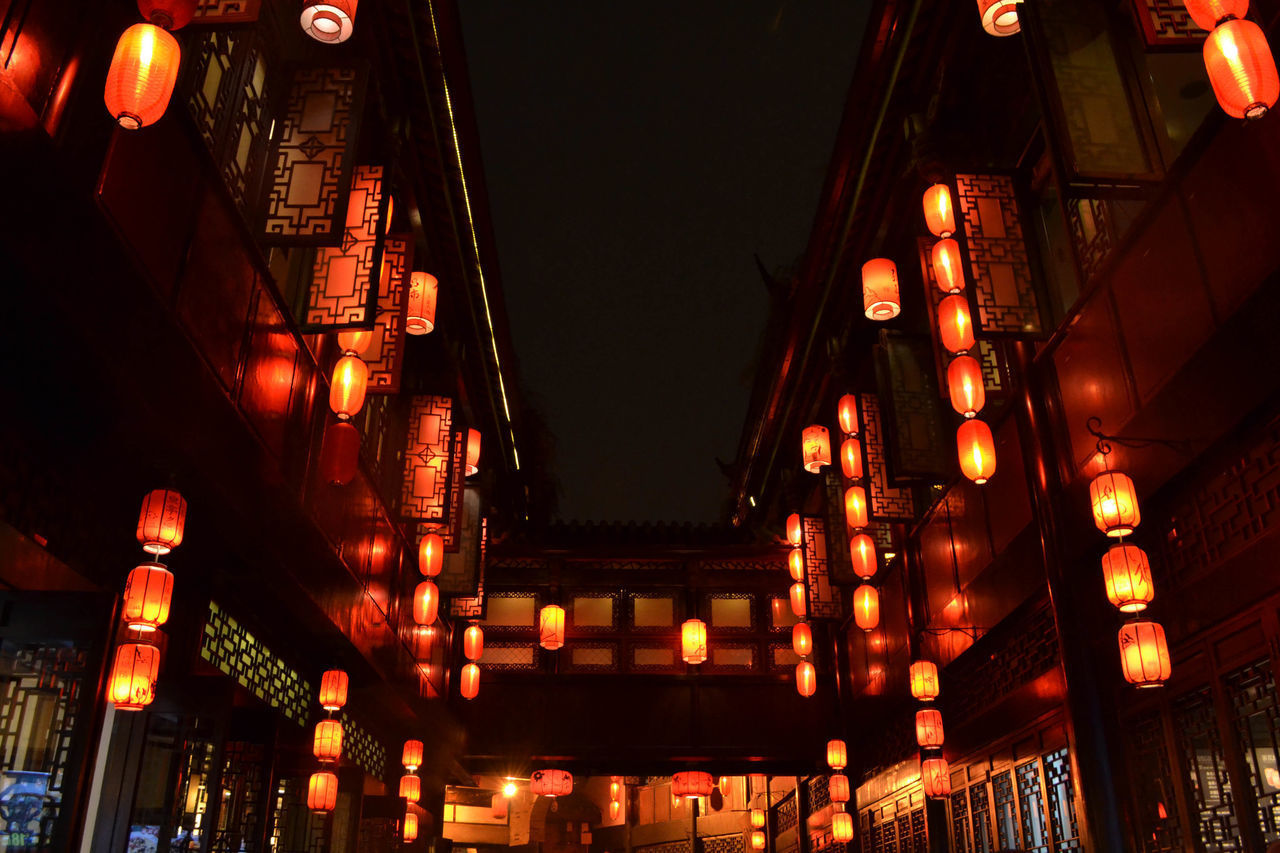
(425, 487)
(782, 657)
(1006, 809)
(652, 611)
(914, 411)
(919, 832)
(243, 777)
(822, 599)
(786, 817)
(980, 819)
(1252, 690)
(385, 355)
(1092, 232)
(1201, 745)
(731, 657)
(1035, 826)
(888, 503)
(819, 792)
(961, 833)
(1166, 23)
(646, 657)
(362, 747)
(511, 612)
(1003, 287)
(591, 612)
(294, 827)
(227, 11)
(682, 846)
(730, 612)
(723, 844)
(343, 292)
(502, 656)
(1029, 649)
(236, 652)
(903, 826)
(1153, 779)
(580, 656)
(1062, 806)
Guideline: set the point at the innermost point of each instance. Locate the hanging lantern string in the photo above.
(1105, 440)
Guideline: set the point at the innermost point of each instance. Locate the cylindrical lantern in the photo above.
(866, 607)
(964, 384)
(329, 21)
(795, 564)
(615, 809)
(758, 840)
(837, 754)
(838, 788)
(851, 459)
(880, 299)
(161, 521)
(947, 269)
(551, 627)
(1144, 654)
(340, 453)
(924, 680)
(333, 689)
(1000, 17)
(939, 215)
(842, 827)
(346, 393)
(1115, 503)
(693, 641)
(936, 776)
(1127, 573)
(615, 788)
(795, 530)
(431, 555)
(862, 553)
(473, 452)
(551, 783)
(142, 75)
(977, 449)
(797, 600)
(327, 744)
(410, 827)
(473, 642)
(147, 595)
(929, 733)
(426, 603)
(355, 342)
(410, 788)
(802, 639)
(132, 685)
(421, 316)
(806, 679)
(691, 783)
(815, 447)
(1241, 69)
(758, 818)
(322, 791)
(1207, 13)
(955, 326)
(847, 414)
(469, 681)
(855, 507)
(411, 756)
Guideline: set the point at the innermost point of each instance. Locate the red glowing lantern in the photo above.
(1208, 13)
(132, 685)
(842, 827)
(327, 744)
(329, 21)
(936, 776)
(615, 787)
(147, 594)
(1144, 654)
(924, 680)
(880, 298)
(346, 392)
(355, 342)
(802, 639)
(939, 214)
(1241, 69)
(851, 458)
(815, 447)
(161, 521)
(855, 507)
(795, 564)
(469, 681)
(964, 384)
(847, 414)
(797, 600)
(411, 755)
(1115, 503)
(142, 75)
(795, 530)
(340, 453)
(410, 827)
(473, 642)
(1000, 17)
(693, 641)
(955, 326)
(947, 270)
(837, 754)
(410, 788)
(691, 784)
(421, 317)
(551, 783)
(758, 819)
(866, 607)
(431, 555)
(426, 603)
(806, 679)
(838, 788)
(333, 689)
(1127, 573)
(758, 840)
(322, 791)
(473, 452)
(615, 809)
(977, 449)
(551, 627)
(862, 553)
(929, 733)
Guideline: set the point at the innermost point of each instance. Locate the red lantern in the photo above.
(797, 600)
(964, 384)
(615, 787)
(426, 603)
(851, 458)
(411, 756)
(551, 783)
(838, 788)
(691, 784)
(1241, 69)
(693, 641)
(340, 453)
(866, 607)
(355, 342)
(802, 639)
(758, 819)
(758, 840)
(322, 791)
(924, 680)
(795, 564)
(469, 681)
(862, 552)
(837, 754)
(847, 414)
(327, 744)
(939, 215)
(410, 788)
(929, 733)
(947, 270)
(473, 642)
(142, 75)
(815, 446)
(1000, 17)
(329, 21)
(473, 452)
(795, 531)
(147, 594)
(855, 507)
(410, 827)
(132, 685)
(346, 392)
(842, 827)
(977, 449)
(1115, 503)
(955, 327)
(551, 627)
(1127, 573)
(615, 809)
(1208, 13)
(161, 522)
(806, 679)
(880, 299)
(333, 689)
(421, 317)
(936, 776)
(1144, 654)
(431, 555)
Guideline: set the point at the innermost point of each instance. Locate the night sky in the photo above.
(637, 156)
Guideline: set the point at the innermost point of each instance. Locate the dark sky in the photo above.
(636, 156)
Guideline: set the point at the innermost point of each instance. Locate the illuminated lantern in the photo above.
(855, 507)
(473, 642)
(924, 680)
(421, 317)
(411, 788)
(880, 299)
(929, 728)
(866, 607)
(806, 679)
(339, 453)
(795, 564)
(333, 689)
(426, 603)
(939, 215)
(1000, 17)
(955, 326)
(469, 681)
(851, 458)
(862, 553)
(1207, 13)
(551, 627)
(1144, 654)
(691, 783)
(327, 745)
(936, 776)
(473, 452)
(797, 600)
(964, 384)
(411, 756)
(693, 641)
(551, 783)
(161, 521)
(1115, 503)
(795, 531)
(615, 809)
(947, 270)
(346, 393)
(132, 685)
(815, 446)
(758, 840)
(142, 75)
(615, 789)
(757, 819)
(329, 21)
(431, 555)
(1241, 69)
(802, 639)
(410, 827)
(147, 594)
(842, 827)
(977, 449)
(847, 414)
(837, 754)
(322, 791)
(355, 342)
(1127, 573)
(838, 787)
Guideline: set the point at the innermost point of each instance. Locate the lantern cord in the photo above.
(1105, 441)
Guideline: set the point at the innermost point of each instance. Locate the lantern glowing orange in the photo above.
(802, 639)
(797, 600)
(929, 734)
(806, 679)
(1207, 13)
(411, 755)
(924, 680)
(469, 681)
(1000, 17)
(339, 453)
(847, 414)
(327, 744)
(815, 447)
(132, 685)
(837, 754)
(1241, 69)
(862, 553)
(977, 449)
(757, 818)
(426, 603)
(473, 452)
(615, 788)
(615, 809)
(551, 783)
(551, 627)
(964, 384)
(410, 826)
(947, 271)
(142, 75)
(421, 316)
(147, 595)
(1127, 573)
(693, 641)
(795, 564)
(1144, 654)
(936, 776)
(410, 788)
(691, 783)
(851, 458)
(355, 342)
(838, 788)
(329, 21)
(1115, 503)
(322, 791)
(855, 507)
(431, 555)
(880, 297)
(955, 326)
(758, 841)
(333, 689)
(939, 215)
(346, 393)
(842, 827)
(473, 642)
(866, 607)
(795, 530)
(161, 521)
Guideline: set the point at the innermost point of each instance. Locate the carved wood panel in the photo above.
(888, 503)
(425, 486)
(1003, 287)
(343, 285)
(385, 356)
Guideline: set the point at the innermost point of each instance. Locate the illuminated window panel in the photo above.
(654, 659)
(781, 617)
(733, 657)
(508, 656)
(731, 612)
(653, 612)
(511, 611)
(593, 611)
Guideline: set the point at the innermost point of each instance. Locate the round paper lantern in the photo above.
(939, 215)
(924, 680)
(806, 679)
(551, 783)
(757, 819)
(847, 414)
(355, 342)
(421, 316)
(815, 447)
(758, 840)
(333, 689)
(132, 685)
(169, 14)
(1241, 69)
(161, 521)
(955, 326)
(431, 555)
(802, 639)
(329, 21)
(426, 603)
(410, 788)
(473, 452)
(1115, 503)
(866, 607)
(322, 791)
(862, 553)
(837, 754)
(795, 564)
(1000, 17)
(340, 453)
(473, 642)
(327, 745)
(1144, 654)
(410, 827)
(797, 600)
(842, 827)
(1207, 13)
(346, 392)
(147, 595)
(880, 299)
(965, 385)
(838, 788)
(929, 733)
(615, 809)
(469, 681)
(851, 459)
(795, 531)
(411, 755)
(142, 75)
(855, 507)
(693, 641)
(1127, 573)
(936, 776)
(977, 449)
(551, 627)
(691, 783)
(947, 270)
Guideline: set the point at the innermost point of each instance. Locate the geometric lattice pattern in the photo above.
(472, 607)
(839, 561)
(1252, 692)
(1035, 829)
(980, 812)
(243, 766)
(1166, 23)
(1153, 782)
(237, 653)
(227, 11)
(1196, 726)
(667, 847)
(1062, 804)
(914, 408)
(1092, 232)
(960, 830)
(361, 747)
(385, 355)
(786, 814)
(887, 503)
(343, 291)
(1030, 649)
(1006, 809)
(821, 598)
(999, 265)
(724, 844)
(425, 487)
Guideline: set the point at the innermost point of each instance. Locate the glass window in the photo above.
(780, 614)
(510, 611)
(653, 612)
(730, 612)
(593, 611)
(1183, 94)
